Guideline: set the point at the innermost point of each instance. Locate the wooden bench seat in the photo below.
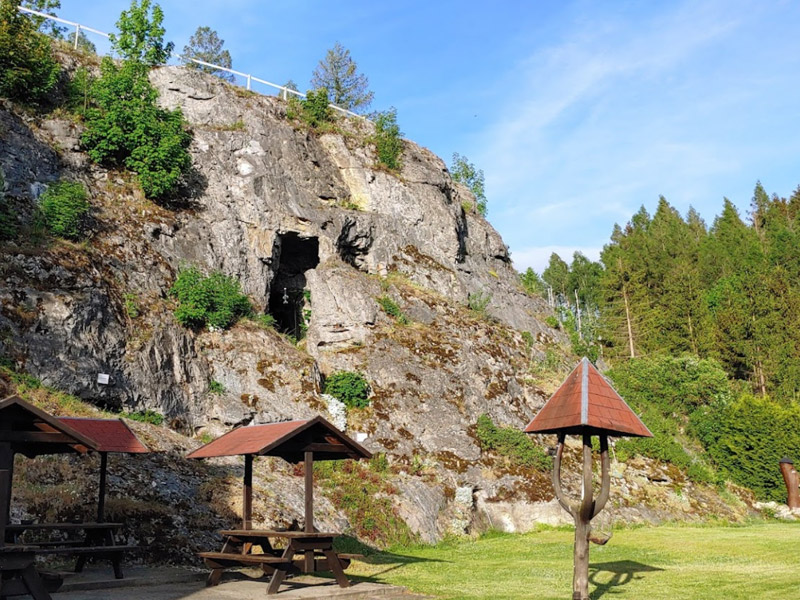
(97, 550)
(254, 559)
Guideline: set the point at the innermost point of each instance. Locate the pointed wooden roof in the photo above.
(110, 435)
(587, 404)
(288, 440)
(31, 431)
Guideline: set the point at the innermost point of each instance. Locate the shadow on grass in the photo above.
(621, 572)
(349, 545)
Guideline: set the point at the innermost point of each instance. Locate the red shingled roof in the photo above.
(587, 404)
(286, 439)
(111, 435)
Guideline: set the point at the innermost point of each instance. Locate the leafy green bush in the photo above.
(215, 300)
(747, 437)
(387, 139)
(28, 70)
(667, 391)
(348, 387)
(512, 443)
(552, 321)
(64, 207)
(215, 387)
(126, 128)
(391, 308)
(145, 416)
(314, 109)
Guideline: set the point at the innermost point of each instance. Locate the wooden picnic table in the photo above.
(316, 548)
(97, 541)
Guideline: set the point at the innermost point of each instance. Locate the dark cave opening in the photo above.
(289, 301)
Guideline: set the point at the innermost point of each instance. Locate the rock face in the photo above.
(316, 234)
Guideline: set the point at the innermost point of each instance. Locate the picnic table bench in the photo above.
(316, 549)
(97, 541)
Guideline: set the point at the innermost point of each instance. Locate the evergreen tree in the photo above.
(338, 73)
(206, 45)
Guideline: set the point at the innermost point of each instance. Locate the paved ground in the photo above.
(178, 584)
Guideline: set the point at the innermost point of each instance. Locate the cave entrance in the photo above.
(289, 301)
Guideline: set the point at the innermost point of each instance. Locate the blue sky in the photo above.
(577, 112)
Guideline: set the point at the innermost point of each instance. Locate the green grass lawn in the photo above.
(753, 562)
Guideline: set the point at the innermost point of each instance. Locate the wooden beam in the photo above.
(309, 492)
(7, 466)
(101, 500)
(5, 484)
(247, 493)
(43, 437)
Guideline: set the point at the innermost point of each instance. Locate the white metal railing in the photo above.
(249, 78)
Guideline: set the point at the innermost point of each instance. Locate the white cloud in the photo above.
(537, 257)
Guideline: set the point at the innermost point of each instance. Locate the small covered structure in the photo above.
(109, 435)
(585, 405)
(27, 430)
(294, 441)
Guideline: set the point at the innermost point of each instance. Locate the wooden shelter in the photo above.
(294, 441)
(585, 405)
(27, 430)
(110, 435)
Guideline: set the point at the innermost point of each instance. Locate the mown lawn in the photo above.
(753, 562)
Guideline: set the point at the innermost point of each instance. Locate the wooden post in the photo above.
(790, 478)
(309, 528)
(586, 510)
(5, 482)
(247, 493)
(101, 500)
(6, 464)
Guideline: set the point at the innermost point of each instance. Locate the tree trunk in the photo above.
(580, 578)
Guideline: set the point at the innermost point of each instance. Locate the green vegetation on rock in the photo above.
(28, 71)
(126, 128)
(391, 308)
(64, 207)
(465, 172)
(511, 443)
(214, 300)
(348, 387)
(363, 491)
(387, 139)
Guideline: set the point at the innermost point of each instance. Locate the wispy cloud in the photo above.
(623, 108)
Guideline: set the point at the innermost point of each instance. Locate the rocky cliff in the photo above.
(316, 233)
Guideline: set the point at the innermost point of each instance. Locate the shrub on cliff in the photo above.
(387, 139)
(126, 128)
(28, 70)
(215, 300)
(64, 207)
(348, 387)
